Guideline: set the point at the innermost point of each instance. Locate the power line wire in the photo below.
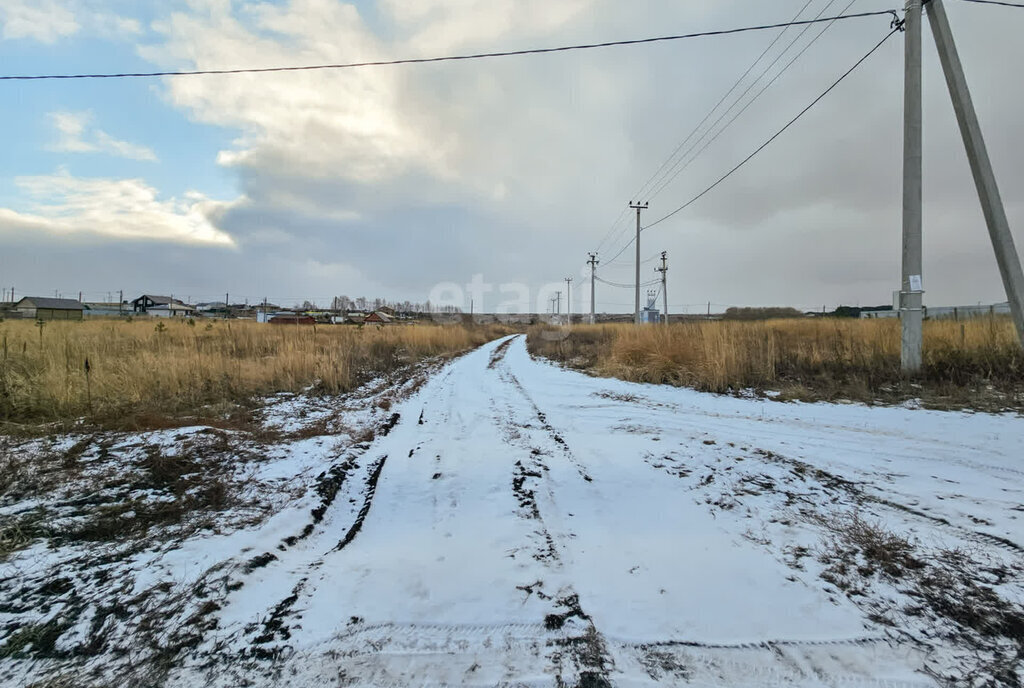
(779, 133)
(669, 180)
(614, 225)
(656, 178)
(683, 163)
(898, 26)
(630, 263)
(996, 2)
(626, 286)
(447, 58)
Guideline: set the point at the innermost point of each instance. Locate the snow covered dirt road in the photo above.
(511, 523)
(524, 525)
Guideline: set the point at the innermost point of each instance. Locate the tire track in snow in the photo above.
(857, 494)
(580, 649)
(509, 378)
(273, 628)
(414, 630)
(772, 662)
(753, 645)
(371, 490)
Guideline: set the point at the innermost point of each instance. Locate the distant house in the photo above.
(43, 308)
(387, 310)
(875, 313)
(103, 309)
(142, 304)
(292, 319)
(171, 310)
(378, 317)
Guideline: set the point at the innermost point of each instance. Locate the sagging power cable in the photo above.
(627, 286)
(896, 29)
(612, 234)
(996, 2)
(449, 58)
(749, 103)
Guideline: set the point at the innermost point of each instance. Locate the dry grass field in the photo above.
(978, 363)
(142, 371)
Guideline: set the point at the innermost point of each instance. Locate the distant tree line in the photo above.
(343, 304)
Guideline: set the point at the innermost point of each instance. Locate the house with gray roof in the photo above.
(45, 308)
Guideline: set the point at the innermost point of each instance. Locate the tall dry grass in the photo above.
(825, 357)
(173, 367)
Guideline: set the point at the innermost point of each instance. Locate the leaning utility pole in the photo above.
(638, 207)
(981, 166)
(593, 274)
(568, 301)
(664, 283)
(911, 290)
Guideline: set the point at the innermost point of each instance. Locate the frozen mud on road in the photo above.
(513, 523)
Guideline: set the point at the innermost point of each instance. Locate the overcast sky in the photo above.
(387, 181)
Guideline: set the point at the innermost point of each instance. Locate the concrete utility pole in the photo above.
(981, 167)
(568, 301)
(638, 207)
(226, 306)
(664, 283)
(593, 275)
(558, 303)
(911, 315)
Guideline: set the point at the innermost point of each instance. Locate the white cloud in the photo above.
(110, 25)
(454, 125)
(76, 135)
(119, 208)
(316, 124)
(41, 20)
(49, 20)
